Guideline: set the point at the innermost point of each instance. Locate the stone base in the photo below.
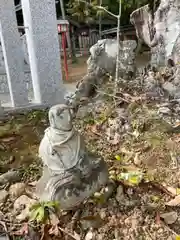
(71, 188)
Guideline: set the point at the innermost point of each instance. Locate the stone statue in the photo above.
(102, 63)
(104, 53)
(71, 174)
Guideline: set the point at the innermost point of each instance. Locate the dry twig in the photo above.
(114, 97)
(162, 188)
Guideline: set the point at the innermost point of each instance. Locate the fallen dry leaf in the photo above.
(54, 220)
(23, 231)
(137, 160)
(54, 230)
(168, 190)
(94, 130)
(170, 217)
(172, 190)
(174, 202)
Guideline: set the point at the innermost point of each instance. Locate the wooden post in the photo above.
(65, 54)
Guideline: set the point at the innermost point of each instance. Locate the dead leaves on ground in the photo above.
(44, 231)
(174, 202)
(26, 232)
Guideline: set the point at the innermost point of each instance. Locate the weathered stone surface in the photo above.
(159, 30)
(4, 85)
(170, 88)
(104, 53)
(13, 54)
(171, 84)
(88, 85)
(45, 62)
(176, 51)
(71, 173)
(26, 202)
(9, 178)
(3, 78)
(17, 189)
(25, 53)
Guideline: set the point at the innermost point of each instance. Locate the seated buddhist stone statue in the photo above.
(71, 174)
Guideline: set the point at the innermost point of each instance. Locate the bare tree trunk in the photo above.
(118, 45)
(100, 22)
(73, 46)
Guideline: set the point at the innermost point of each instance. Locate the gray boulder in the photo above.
(104, 54)
(159, 28)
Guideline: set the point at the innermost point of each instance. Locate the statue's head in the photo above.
(60, 117)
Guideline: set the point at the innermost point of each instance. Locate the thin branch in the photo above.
(110, 13)
(100, 22)
(118, 45)
(100, 7)
(112, 95)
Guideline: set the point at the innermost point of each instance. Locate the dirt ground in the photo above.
(75, 70)
(143, 163)
(140, 145)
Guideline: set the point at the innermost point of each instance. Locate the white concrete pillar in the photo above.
(43, 48)
(13, 54)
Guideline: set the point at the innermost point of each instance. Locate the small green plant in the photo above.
(40, 211)
(118, 158)
(132, 177)
(89, 119)
(99, 198)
